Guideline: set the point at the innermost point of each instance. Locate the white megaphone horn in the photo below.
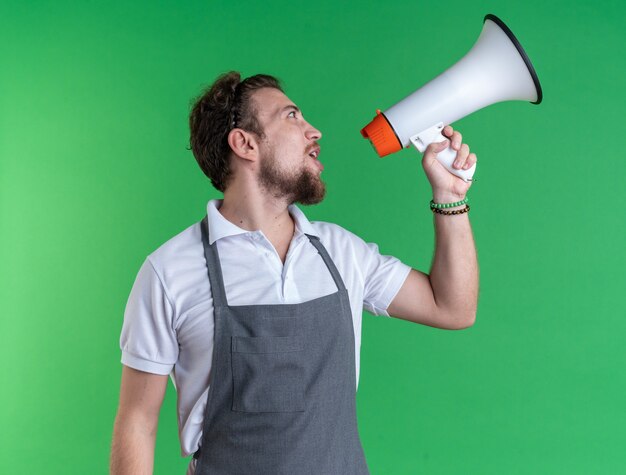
(496, 69)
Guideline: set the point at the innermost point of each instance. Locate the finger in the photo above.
(471, 160)
(457, 140)
(447, 131)
(461, 156)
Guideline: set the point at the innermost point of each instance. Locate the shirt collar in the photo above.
(220, 227)
(303, 225)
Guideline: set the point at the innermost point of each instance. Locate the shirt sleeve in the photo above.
(383, 278)
(148, 340)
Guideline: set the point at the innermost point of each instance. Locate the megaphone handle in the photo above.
(446, 157)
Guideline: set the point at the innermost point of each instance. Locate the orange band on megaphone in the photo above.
(382, 135)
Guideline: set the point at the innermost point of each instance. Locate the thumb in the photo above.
(436, 147)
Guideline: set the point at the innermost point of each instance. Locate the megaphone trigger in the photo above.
(446, 157)
(428, 136)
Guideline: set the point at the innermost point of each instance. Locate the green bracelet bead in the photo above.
(448, 205)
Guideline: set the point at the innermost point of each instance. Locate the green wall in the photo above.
(95, 175)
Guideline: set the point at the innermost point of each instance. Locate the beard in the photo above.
(300, 186)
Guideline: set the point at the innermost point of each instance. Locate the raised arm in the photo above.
(134, 434)
(448, 297)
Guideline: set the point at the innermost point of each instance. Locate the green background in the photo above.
(95, 175)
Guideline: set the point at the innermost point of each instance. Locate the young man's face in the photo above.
(289, 167)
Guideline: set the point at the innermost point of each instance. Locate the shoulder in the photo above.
(340, 241)
(178, 253)
(331, 233)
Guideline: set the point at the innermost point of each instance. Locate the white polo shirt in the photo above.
(168, 322)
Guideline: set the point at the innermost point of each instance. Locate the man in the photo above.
(255, 312)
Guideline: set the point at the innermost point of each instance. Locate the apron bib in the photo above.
(282, 385)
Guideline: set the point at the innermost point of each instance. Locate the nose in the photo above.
(312, 133)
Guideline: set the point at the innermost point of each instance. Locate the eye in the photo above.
(292, 114)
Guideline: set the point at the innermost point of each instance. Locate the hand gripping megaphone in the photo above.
(496, 69)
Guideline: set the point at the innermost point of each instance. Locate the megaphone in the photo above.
(496, 69)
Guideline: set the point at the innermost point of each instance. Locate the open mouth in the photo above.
(314, 154)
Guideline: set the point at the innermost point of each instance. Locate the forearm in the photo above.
(454, 273)
(132, 449)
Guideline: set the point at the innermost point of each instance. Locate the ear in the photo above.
(243, 144)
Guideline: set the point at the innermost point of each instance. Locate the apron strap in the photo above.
(213, 266)
(328, 261)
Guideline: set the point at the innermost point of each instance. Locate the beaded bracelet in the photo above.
(448, 205)
(453, 212)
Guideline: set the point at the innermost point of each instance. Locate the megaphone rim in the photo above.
(521, 51)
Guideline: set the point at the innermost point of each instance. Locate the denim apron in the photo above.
(282, 384)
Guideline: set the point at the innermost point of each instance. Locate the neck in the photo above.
(252, 210)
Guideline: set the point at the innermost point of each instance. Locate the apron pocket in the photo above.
(268, 374)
